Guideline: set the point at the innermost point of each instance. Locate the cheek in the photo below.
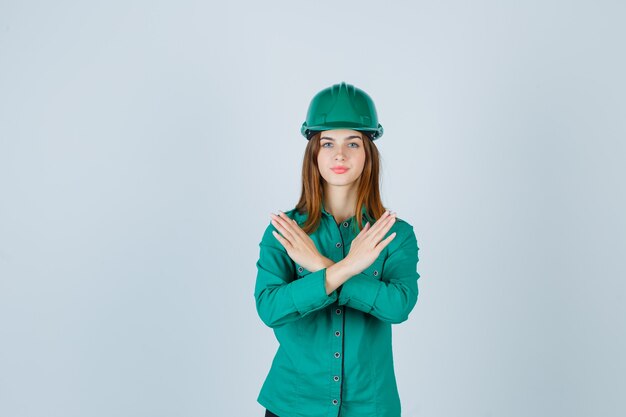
(361, 159)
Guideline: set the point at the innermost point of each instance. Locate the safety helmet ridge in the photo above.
(342, 106)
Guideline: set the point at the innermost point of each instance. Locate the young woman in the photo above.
(335, 272)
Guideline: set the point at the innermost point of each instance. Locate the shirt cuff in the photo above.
(360, 292)
(309, 292)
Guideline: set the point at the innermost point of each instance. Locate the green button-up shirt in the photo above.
(335, 354)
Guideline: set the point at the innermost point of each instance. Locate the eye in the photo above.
(326, 143)
(356, 145)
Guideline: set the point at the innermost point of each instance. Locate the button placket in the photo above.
(338, 319)
(337, 365)
(337, 345)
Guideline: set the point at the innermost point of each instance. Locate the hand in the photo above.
(367, 245)
(300, 247)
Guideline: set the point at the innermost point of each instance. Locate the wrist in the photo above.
(336, 275)
(343, 268)
(323, 262)
(347, 266)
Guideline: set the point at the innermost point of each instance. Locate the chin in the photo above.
(333, 179)
(341, 183)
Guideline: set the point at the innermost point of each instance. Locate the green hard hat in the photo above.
(342, 106)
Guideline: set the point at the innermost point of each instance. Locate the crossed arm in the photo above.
(391, 297)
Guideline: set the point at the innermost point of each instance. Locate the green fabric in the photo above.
(314, 364)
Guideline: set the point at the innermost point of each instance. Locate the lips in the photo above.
(339, 170)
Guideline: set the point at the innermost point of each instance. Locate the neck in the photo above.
(340, 201)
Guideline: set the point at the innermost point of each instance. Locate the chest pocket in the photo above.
(375, 270)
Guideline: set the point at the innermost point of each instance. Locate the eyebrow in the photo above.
(349, 137)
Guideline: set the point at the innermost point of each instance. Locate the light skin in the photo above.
(339, 147)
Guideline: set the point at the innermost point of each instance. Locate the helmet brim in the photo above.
(309, 131)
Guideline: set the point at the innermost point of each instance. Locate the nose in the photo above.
(339, 155)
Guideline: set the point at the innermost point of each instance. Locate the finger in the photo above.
(290, 228)
(381, 220)
(283, 230)
(364, 230)
(386, 241)
(292, 225)
(382, 225)
(283, 226)
(286, 221)
(281, 239)
(380, 233)
(390, 220)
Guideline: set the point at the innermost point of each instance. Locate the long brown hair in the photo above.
(368, 192)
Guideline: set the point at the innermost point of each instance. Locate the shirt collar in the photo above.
(363, 212)
(324, 210)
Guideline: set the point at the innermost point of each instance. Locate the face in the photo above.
(341, 148)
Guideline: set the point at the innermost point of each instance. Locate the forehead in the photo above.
(341, 134)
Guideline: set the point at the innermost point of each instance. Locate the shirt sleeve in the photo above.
(280, 297)
(392, 297)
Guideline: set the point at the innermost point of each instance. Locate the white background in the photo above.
(143, 145)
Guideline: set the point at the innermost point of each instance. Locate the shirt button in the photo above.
(375, 273)
(300, 269)
(337, 333)
(335, 402)
(336, 378)
(338, 244)
(337, 354)
(345, 224)
(338, 311)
